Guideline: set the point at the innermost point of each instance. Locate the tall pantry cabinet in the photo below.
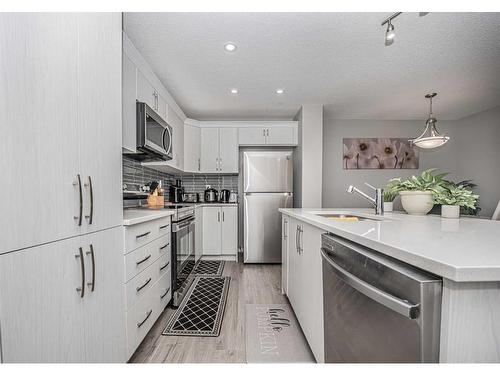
(61, 294)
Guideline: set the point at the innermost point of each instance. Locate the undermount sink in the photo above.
(346, 217)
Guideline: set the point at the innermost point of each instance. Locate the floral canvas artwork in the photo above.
(379, 153)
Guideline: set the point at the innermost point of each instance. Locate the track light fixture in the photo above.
(390, 34)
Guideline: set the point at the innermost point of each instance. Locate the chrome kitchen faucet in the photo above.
(377, 202)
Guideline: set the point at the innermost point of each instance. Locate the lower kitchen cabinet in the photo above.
(285, 230)
(63, 301)
(148, 276)
(305, 282)
(220, 230)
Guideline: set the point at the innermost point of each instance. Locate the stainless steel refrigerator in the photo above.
(267, 185)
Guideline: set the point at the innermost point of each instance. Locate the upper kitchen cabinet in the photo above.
(177, 125)
(141, 84)
(129, 95)
(192, 159)
(219, 150)
(268, 134)
(99, 119)
(51, 96)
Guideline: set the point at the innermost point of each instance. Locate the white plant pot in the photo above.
(450, 212)
(417, 202)
(388, 206)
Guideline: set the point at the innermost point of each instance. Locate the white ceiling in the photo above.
(335, 59)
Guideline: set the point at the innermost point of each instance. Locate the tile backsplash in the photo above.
(134, 172)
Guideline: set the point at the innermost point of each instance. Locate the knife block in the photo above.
(156, 201)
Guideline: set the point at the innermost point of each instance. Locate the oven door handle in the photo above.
(180, 226)
(408, 310)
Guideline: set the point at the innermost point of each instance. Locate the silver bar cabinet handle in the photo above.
(164, 294)
(297, 239)
(222, 215)
(92, 259)
(408, 310)
(80, 211)
(143, 260)
(164, 226)
(164, 246)
(142, 235)
(139, 288)
(165, 265)
(81, 289)
(144, 321)
(218, 216)
(91, 215)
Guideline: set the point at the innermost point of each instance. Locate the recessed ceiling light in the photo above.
(280, 91)
(234, 91)
(230, 47)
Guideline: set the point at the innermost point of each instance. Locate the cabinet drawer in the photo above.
(147, 309)
(137, 287)
(140, 319)
(141, 234)
(142, 257)
(163, 290)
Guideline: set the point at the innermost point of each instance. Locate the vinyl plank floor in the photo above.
(250, 283)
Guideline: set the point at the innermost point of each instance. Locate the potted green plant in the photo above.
(417, 192)
(451, 197)
(391, 191)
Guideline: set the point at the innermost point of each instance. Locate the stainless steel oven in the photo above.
(183, 251)
(154, 135)
(376, 308)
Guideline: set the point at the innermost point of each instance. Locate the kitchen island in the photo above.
(465, 253)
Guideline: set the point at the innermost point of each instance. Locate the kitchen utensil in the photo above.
(224, 196)
(211, 195)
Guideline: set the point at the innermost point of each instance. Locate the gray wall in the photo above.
(308, 157)
(336, 179)
(478, 155)
(472, 153)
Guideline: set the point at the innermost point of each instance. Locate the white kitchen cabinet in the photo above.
(278, 135)
(285, 230)
(145, 90)
(99, 119)
(178, 139)
(251, 136)
(129, 96)
(228, 150)
(281, 135)
(192, 158)
(212, 233)
(219, 150)
(305, 283)
(229, 230)
(45, 318)
(104, 304)
(209, 150)
(41, 312)
(220, 230)
(161, 106)
(198, 240)
(39, 101)
(70, 106)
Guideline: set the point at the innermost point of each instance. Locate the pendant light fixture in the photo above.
(430, 138)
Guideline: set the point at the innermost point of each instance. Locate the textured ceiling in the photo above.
(335, 59)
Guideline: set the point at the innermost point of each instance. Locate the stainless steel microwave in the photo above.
(154, 135)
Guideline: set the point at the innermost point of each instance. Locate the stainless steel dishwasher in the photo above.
(376, 308)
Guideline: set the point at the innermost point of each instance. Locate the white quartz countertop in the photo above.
(216, 204)
(133, 216)
(465, 249)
